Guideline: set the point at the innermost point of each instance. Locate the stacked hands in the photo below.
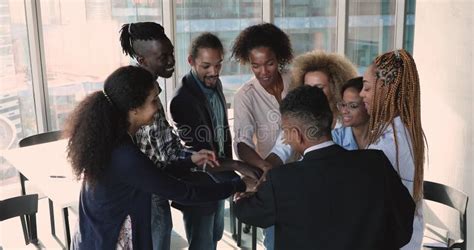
(251, 176)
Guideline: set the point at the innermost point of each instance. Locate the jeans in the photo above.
(161, 223)
(204, 231)
(269, 238)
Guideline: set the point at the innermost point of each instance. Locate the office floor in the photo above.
(11, 235)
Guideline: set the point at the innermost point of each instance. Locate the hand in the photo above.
(248, 171)
(238, 196)
(251, 184)
(264, 166)
(204, 157)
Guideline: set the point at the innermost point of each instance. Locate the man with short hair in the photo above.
(332, 198)
(148, 44)
(200, 112)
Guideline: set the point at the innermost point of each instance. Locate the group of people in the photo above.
(327, 159)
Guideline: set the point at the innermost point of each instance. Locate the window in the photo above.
(408, 37)
(310, 24)
(371, 30)
(82, 46)
(17, 112)
(196, 16)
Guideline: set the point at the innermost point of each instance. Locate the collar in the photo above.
(318, 146)
(207, 91)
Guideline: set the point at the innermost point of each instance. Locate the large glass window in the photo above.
(371, 30)
(17, 112)
(310, 24)
(408, 36)
(225, 18)
(81, 44)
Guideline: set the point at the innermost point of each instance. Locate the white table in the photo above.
(46, 166)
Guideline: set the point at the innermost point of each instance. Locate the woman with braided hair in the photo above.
(391, 95)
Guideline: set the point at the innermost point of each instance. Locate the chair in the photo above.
(34, 140)
(246, 229)
(40, 138)
(25, 207)
(452, 198)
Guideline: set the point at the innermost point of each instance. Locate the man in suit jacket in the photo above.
(200, 113)
(332, 198)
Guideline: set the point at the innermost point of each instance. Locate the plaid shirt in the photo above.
(160, 142)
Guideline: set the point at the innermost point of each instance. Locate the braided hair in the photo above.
(397, 93)
(146, 31)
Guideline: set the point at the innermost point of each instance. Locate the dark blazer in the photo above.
(333, 199)
(192, 115)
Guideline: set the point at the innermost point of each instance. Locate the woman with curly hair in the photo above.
(391, 95)
(118, 179)
(256, 104)
(328, 71)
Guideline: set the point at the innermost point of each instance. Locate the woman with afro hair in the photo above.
(328, 71)
(267, 49)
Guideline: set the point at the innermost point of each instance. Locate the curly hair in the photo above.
(337, 68)
(100, 122)
(263, 35)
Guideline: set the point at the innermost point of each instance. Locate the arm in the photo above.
(159, 142)
(241, 167)
(274, 160)
(132, 167)
(244, 131)
(248, 155)
(172, 147)
(259, 209)
(280, 153)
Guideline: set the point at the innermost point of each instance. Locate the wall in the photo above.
(443, 47)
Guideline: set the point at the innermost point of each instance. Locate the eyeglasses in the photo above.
(351, 106)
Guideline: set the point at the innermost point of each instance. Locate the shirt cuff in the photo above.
(282, 150)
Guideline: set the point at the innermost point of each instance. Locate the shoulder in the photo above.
(339, 132)
(124, 153)
(369, 156)
(396, 128)
(246, 89)
(286, 170)
(125, 148)
(184, 93)
(343, 137)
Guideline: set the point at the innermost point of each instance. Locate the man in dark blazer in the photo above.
(332, 198)
(199, 111)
